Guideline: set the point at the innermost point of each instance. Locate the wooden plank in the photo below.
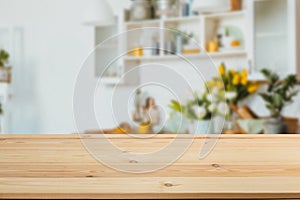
(167, 187)
(240, 166)
(65, 170)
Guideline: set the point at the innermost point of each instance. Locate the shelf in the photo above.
(187, 56)
(185, 19)
(145, 23)
(182, 19)
(228, 54)
(271, 34)
(225, 15)
(156, 22)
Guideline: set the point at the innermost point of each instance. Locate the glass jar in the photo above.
(140, 10)
(230, 125)
(165, 9)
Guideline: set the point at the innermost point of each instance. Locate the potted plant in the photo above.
(279, 94)
(182, 40)
(5, 71)
(199, 111)
(4, 74)
(4, 56)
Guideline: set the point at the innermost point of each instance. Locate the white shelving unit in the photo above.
(204, 28)
(105, 52)
(188, 56)
(273, 38)
(263, 28)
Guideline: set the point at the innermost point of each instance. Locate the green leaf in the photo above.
(266, 97)
(4, 56)
(175, 105)
(277, 100)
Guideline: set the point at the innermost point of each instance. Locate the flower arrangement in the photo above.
(199, 108)
(234, 84)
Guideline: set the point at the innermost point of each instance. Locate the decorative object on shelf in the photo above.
(236, 5)
(190, 11)
(155, 49)
(140, 10)
(99, 12)
(5, 72)
(178, 43)
(190, 50)
(279, 93)
(221, 33)
(212, 46)
(165, 8)
(137, 51)
(183, 43)
(232, 40)
(170, 48)
(199, 111)
(232, 87)
(184, 9)
(186, 37)
(187, 8)
(212, 6)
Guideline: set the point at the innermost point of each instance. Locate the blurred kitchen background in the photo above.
(50, 40)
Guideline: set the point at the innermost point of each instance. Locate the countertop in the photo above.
(239, 166)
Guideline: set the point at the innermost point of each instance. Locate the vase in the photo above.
(201, 127)
(140, 10)
(177, 123)
(236, 5)
(165, 9)
(275, 126)
(230, 125)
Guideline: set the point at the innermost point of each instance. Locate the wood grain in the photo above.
(240, 166)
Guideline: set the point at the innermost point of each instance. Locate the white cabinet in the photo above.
(106, 50)
(273, 38)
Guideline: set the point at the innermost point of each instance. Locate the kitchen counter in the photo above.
(240, 166)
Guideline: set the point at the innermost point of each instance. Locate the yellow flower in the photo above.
(222, 69)
(244, 73)
(232, 71)
(236, 79)
(244, 80)
(220, 85)
(252, 88)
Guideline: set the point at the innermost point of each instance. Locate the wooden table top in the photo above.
(240, 166)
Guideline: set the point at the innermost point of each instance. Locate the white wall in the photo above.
(55, 44)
